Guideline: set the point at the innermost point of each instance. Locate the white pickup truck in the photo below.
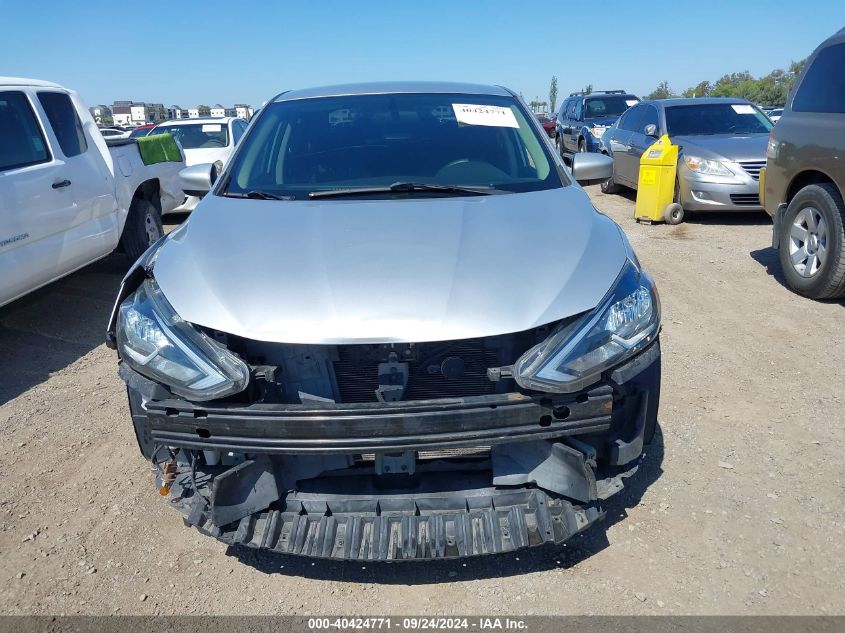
(67, 198)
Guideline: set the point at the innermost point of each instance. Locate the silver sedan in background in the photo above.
(722, 149)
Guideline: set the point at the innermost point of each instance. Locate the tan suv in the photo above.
(805, 177)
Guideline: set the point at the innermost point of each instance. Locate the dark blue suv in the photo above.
(583, 118)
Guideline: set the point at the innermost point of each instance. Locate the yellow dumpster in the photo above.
(656, 185)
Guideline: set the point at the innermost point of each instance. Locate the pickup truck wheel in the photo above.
(143, 227)
(812, 242)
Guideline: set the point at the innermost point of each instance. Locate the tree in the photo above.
(587, 89)
(702, 89)
(553, 94)
(663, 91)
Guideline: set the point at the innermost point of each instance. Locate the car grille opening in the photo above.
(752, 168)
(749, 199)
(358, 383)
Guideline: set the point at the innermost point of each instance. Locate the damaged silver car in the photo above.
(395, 328)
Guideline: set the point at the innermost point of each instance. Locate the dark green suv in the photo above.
(804, 181)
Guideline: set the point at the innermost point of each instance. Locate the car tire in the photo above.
(609, 186)
(582, 145)
(143, 227)
(673, 213)
(811, 243)
(559, 144)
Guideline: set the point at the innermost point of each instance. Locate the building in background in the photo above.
(200, 110)
(218, 111)
(101, 114)
(137, 113)
(243, 111)
(175, 112)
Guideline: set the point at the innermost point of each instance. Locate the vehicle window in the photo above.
(633, 118)
(307, 145)
(65, 122)
(579, 110)
(562, 112)
(198, 135)
(716, 118)
(237, 131)
(601, 107)
(823, 86)
(141, 131)
(21, 140)
(570, 109)
(650, 117)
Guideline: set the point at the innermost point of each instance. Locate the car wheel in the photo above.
(558, 144)
(609, 186)
(582, 145)
(143, 227)
(812, 242)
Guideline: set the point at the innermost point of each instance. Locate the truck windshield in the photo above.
(307, 146)
(716, 118)
(197, 135)
(599, 107)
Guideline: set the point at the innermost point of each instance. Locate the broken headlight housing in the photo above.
(626, 321)
(154, 341)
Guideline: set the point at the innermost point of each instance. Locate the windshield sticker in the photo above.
(743, 109)
(210, 127)
(495, 116)
(631, 102)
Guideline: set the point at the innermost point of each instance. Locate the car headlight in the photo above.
(706, 166)
(625, 322)
(156, 342)
(597, 131)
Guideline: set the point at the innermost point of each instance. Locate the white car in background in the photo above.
(112, 133)
(204, 141)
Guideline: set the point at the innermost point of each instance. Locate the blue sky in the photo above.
(226, 52)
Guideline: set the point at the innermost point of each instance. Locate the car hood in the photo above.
(373, 271)
(724, 146)
(202, 155)
(605, 121)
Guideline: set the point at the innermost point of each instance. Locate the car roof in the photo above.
(666, 103)
(23, 81)
(393, 87)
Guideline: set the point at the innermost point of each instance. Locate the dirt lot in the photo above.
(737, 509)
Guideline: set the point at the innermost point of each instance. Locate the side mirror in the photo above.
(197, 180)
(591, 168)
(651, 130)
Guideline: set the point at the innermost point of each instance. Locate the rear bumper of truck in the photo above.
(407, 480)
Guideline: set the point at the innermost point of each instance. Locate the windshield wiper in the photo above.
(406, 187)
(256, 195)
(266, 195)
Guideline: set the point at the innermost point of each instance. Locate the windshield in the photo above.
(141, 131)
(716, 118)
(598, 107)
(305, 146)
(198, 135)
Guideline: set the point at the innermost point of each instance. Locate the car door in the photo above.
(572, 125)
(626, 169)
(93, 186)
(560, 124)
(639, 141)
(36, 198)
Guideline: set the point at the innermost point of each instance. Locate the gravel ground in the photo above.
(737, 509)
